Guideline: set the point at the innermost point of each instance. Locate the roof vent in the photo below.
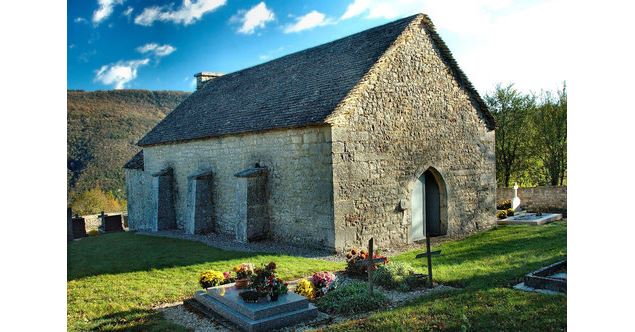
(205, 76)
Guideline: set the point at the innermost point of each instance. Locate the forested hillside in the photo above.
(103, 128)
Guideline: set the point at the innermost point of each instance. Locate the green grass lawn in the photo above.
(115, 279)
(485, 266)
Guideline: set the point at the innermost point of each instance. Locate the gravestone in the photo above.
(200, 217)
(113, 223)
(69, 224)
(162, 200)
(79, 227)
(251, 204)
(290, 309)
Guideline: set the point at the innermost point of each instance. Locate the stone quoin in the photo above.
(378, 134)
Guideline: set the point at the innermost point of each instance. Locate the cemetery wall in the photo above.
(409, 113)
(547, 198)
(299, 179)
(93, 221)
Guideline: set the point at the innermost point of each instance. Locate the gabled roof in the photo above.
(299, 89)
(135, 162)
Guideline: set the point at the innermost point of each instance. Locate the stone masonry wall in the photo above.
(93, 221)
(299, 179)
(138, 185)
(408, 114)
(550, 199)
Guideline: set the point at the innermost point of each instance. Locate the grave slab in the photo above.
(530, 219)
(229, 296)
(289, 310)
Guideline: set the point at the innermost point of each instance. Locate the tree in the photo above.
(94, 201)
(550, 134)
(510, 109)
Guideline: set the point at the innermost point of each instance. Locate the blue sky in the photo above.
(160, 45)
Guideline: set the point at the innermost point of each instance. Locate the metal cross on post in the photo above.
(428, 254)
(369, 263)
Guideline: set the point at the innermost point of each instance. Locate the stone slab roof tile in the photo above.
(135, 162)
(296, 90)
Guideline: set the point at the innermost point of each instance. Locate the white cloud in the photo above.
(522, 46)
(271, 54)
(80, 20)
(128, 11)
(356, 8)
(381, 8)
(156, 49)
(306, 22)
(492, 40)
(255, 18)
(188, 13)
(120, 73)
(104, 10)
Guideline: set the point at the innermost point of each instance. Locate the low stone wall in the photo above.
(93, 221)
(548, 199)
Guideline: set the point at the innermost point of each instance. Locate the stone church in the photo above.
(378, 134)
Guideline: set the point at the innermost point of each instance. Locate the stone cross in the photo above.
(369, 263)
(516, 199)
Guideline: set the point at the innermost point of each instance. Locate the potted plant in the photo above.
(211, 278)
(277, 287)
(354, 256)
(261, 276)
(243, 274)
(264, 281)
(323, 282)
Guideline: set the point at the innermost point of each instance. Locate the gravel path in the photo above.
(227, 242)
(178, 314)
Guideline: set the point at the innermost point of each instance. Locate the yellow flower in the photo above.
(211, 278)
(305, 288)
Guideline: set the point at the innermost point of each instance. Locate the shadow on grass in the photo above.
(128, 252)
(508, 247)
(496, 258)
(134, 320)
(491, 309)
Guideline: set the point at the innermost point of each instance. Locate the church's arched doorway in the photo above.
(429, 215)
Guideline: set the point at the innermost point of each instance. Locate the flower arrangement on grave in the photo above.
(276, 287)
(305, 288)
(211, 278)
(264, 281)
(323, 282)
(354, 256)
(504, 205)
(317, 285)
(243, 271)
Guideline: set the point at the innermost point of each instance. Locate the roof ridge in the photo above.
(312, 48)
